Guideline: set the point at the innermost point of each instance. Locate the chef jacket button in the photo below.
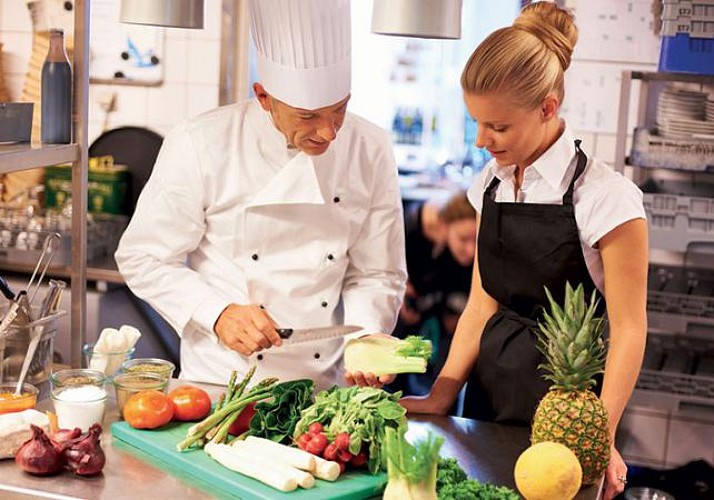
(254, 256)
(262, 306)
(316, 355)
(324, 303)
(330, 256)
(336, 199)
(259, 357)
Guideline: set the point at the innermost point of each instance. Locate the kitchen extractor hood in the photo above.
(168, 13)
(417, 18)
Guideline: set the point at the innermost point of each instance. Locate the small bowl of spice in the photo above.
(11, 402)
(157, 366)
(126, 384)
(79, 398)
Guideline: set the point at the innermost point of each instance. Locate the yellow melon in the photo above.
(548, 471)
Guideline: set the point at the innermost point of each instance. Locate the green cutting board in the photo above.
(161, 444)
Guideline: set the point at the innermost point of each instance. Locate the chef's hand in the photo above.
(370, 379)
(246, 329)
(615, 475)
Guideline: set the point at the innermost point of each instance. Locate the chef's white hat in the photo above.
(303, 50)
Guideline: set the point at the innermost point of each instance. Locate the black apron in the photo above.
(522, 247)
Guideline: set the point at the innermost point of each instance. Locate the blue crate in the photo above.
(684, 54)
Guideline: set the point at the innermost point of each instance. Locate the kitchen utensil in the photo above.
(51, 301)
(16, 308)
(298, 336)
(5, 289)
(35, 335)
(49, 247)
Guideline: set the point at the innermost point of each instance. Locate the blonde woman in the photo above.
(547, 213)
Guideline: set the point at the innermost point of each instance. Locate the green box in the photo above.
(107, 191)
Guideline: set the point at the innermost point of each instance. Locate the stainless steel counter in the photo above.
(486, 451)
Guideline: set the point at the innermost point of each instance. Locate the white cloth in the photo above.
(303, 50)
(603, 199)
(230, 215)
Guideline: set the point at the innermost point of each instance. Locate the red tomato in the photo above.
(342, 441)
(315, 428)
(343, 467)
(148, 410)
(191, 403)
(242, 423)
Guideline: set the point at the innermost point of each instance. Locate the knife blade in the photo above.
(300, 335)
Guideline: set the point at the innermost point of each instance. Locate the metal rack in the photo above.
(674, 396)
(26, 156)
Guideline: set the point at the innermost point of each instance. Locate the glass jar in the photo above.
(106, 362)
(149, 365)
(79, 398)
(127, 384)
(9, 402)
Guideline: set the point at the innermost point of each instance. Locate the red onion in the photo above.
(61, 438)
(38, 456)
(84, 456)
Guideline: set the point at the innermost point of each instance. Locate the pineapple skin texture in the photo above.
(577, 419)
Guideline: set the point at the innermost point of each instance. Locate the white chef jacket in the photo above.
(231, 215)
(603, 199)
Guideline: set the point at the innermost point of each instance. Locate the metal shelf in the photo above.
(653, 76)
(14, 157)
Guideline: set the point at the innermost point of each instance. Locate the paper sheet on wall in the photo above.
(592, 95)
(123, 52)
(616, 31)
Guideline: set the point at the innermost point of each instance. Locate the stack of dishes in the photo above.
(682, 114)
(709, 108)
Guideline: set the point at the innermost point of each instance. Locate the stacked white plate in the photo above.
(709, 108)
(682, 114)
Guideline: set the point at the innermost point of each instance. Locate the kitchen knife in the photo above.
(300, 335)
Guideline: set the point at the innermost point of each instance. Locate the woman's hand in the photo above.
(615, 475)
(422, 404)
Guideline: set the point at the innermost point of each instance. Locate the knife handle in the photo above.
(285, 333)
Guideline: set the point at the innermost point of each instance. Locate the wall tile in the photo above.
(14, 16)
(166, 104)
(201, 98)
(132, 102)
(176, 58)
(203, 61)
(605, 147)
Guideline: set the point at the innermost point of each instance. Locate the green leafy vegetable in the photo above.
(411, 468)
(362, 412)
(381, 355)
(452, 483)
(275, 418)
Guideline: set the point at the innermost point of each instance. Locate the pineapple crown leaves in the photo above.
(571, 340)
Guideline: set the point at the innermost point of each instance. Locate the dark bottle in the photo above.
(56, 93)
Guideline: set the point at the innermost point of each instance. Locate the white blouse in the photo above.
(603, 199)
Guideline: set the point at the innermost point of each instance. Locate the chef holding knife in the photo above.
(281, 210)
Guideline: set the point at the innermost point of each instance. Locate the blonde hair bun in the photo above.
(554, 26)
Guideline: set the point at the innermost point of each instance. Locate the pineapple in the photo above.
(570, 413)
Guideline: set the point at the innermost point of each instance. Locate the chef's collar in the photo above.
(268, 133)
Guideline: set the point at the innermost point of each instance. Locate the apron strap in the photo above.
(579, 168)
(492, 187)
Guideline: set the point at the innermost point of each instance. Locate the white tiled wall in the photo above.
(190, 84)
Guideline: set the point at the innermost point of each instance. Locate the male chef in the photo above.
(283, 210)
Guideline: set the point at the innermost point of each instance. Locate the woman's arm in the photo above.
(462, 353)
(625, 261)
